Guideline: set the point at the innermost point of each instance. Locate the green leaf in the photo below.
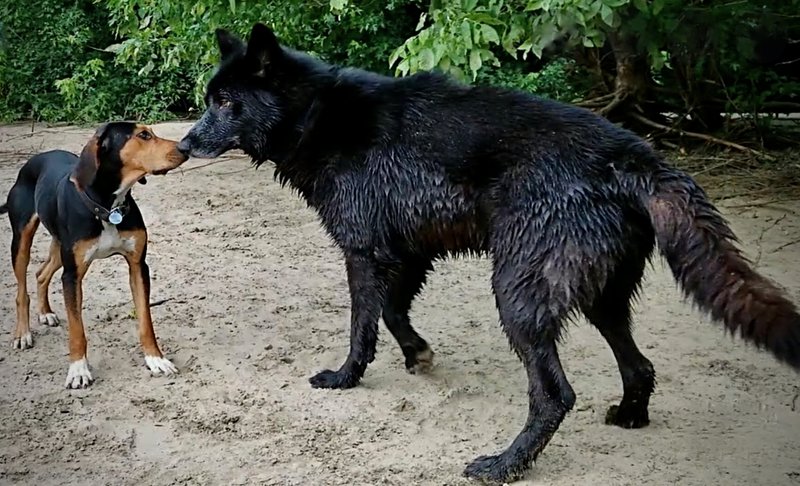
(658, 5)
(426, 59)
(535, 5)
(490, 34)
(403, 67)
(485, 18)
(587, 42)
(475, 61)
(396, 55)
(115, 48)
(338, 4)
(466, 34)
(593, 9)
(607, 15)
(641, 5)
(421, 23)
(616, 3)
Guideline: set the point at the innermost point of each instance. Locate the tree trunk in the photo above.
(631, 77)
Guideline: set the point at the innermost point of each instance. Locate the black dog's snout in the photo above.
(185, 147)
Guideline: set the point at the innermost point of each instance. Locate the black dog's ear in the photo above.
(89, 162)
(228, 44)
(263, 47)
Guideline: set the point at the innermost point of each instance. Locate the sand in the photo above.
(259, 303)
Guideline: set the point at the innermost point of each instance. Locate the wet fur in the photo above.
(568, 206)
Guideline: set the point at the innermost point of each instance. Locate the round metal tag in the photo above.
(115, 217)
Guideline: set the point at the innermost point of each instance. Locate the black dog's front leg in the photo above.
(368, 282)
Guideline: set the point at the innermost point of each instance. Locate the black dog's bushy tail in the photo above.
(700, 248)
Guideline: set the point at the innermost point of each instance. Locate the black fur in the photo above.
(568, 206)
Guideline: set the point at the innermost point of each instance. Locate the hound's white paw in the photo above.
(50, 320)
(78, 375)
(159, 365)
(23, 342)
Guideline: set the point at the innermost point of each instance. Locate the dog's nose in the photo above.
(185, 147)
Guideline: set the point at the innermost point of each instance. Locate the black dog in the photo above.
(568, 206)
(85, 204)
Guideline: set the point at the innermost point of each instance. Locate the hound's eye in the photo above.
(144, 135)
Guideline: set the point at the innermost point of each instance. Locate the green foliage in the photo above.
(167, 38)
(459, 35)
(87, 60)
(559, 79)
(149, 60)
(39, 43)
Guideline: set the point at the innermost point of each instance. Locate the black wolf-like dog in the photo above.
(568, 206)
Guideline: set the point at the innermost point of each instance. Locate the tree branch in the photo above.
(701, 136)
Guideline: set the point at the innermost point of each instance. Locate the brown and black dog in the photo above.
(86, 206)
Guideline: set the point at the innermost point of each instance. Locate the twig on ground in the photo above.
(614, 104)
(164, 301)
(712, 167)
(701, 136)
(769, 202)
(596, 102)
(786, 245)
(761, 238)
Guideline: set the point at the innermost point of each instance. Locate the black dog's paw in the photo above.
(334, 379)
(419, 361)
(627, 417)
(493, 470)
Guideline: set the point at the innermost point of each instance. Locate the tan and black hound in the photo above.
(86, 206)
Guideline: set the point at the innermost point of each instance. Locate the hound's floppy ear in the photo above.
(262, 46)
(85, 171)
(228, 44)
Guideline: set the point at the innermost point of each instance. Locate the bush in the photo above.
(151, 60)
(40, 43)
(560, 79)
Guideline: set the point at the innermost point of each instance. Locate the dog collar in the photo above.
(113, 216)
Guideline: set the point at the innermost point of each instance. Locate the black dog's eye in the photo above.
(225, 104)
(144, 135)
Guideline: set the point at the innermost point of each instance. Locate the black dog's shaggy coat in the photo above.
(568, 206)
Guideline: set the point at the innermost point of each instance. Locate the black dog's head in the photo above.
(250, 98)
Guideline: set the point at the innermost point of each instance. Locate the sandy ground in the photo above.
(259, 303)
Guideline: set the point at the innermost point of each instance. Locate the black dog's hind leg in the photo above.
(405, 285)
(611, 314)
(368, 282)
(532, 327)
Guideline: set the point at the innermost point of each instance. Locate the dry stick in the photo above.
(786, 245)
(769, 202)
(213, 162)
(701, 136)
(712, 167)
(596, 101)
(761, 238)
(618, 100)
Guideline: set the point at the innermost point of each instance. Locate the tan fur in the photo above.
(45, 274)
(141, 294)
(21, 261)
(142, 157)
